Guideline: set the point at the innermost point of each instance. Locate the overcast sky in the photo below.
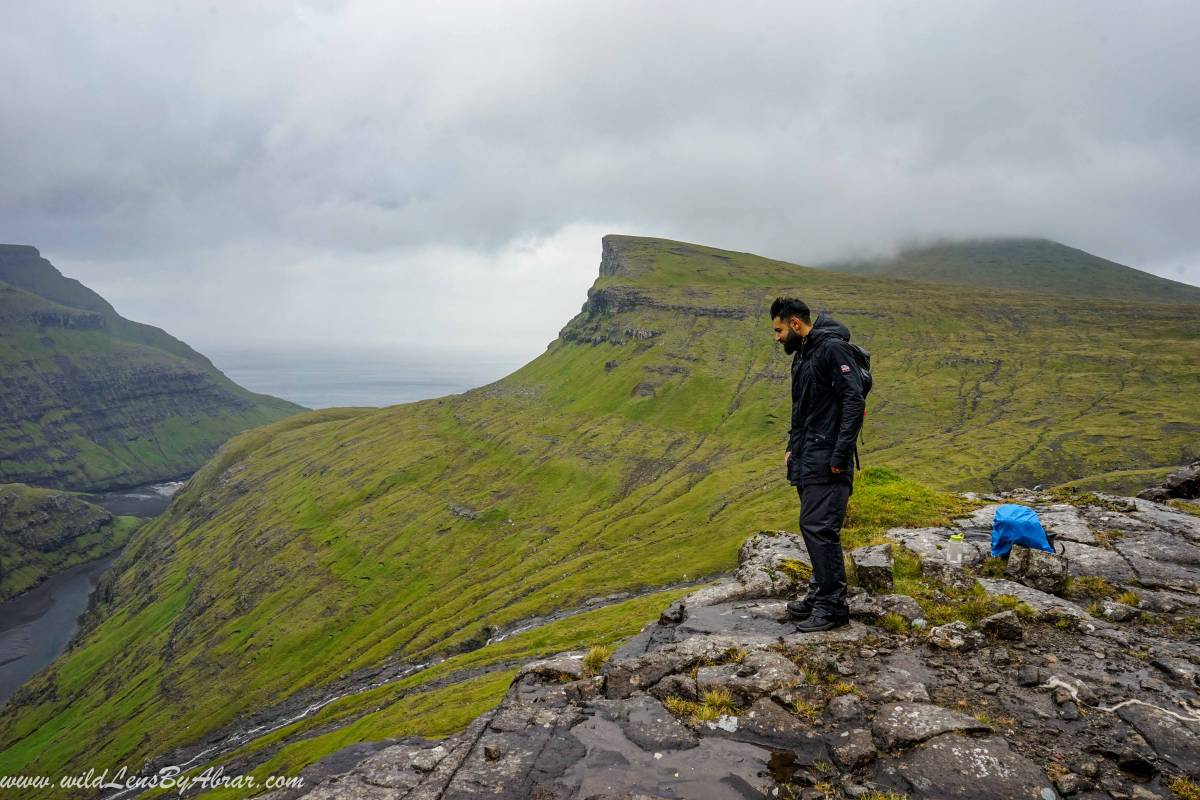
(389, 173)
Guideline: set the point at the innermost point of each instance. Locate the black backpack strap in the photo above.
(862, 439)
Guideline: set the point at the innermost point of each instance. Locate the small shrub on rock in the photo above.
(596, 658)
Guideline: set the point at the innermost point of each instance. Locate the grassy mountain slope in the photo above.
(639, 450)
(91, 400)
(43, 531)
(1026, 264)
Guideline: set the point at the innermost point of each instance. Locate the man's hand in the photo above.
(787, 457)
(836, 470)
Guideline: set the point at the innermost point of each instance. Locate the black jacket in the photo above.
(827, 405)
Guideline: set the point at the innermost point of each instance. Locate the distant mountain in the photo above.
(91, 400)
(1028, 264)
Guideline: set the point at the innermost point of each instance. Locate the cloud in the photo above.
(398, 157)
(502, 305)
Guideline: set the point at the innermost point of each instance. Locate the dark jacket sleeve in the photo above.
(847, 385)
(794, 433)
(796, 430)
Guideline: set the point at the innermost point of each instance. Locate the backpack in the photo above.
(862, 360)
(1016, 524)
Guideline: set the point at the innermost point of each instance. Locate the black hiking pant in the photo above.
(822, 510)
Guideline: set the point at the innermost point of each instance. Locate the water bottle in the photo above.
(954, 550)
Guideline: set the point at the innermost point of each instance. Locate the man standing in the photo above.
(827, 414)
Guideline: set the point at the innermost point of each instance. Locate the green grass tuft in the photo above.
(713, 704)
(993, 567)
(1186, 506)
(1129, 598)
(1090, 587)
(809, 710)
(1184, 788)
(595, 658)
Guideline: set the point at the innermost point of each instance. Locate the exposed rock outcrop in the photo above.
(46, 520)
(43, 531)
(873, 567)
(722, 698)
(1183, 483)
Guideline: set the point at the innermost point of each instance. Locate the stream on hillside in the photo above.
(306, 703)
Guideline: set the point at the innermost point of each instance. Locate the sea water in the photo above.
(358, 377)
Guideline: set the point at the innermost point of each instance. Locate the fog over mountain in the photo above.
(413, 174)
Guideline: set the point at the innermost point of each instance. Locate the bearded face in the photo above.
(791, 341)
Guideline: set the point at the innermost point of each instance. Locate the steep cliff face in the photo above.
(91, 400)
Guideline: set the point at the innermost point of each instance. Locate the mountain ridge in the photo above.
(24, 267)
(95, 401)
(1025, 263)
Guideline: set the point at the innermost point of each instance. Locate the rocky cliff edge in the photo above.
(1074, 674)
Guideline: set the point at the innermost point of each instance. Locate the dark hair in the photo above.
(785, 307)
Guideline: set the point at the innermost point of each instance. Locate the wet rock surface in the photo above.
(1079, 696)
(646, 722)
(902, 724)
(955, 767)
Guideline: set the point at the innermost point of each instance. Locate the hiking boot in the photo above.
(821, 621)
(799, 609)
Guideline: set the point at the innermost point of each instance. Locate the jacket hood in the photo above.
(823, 326)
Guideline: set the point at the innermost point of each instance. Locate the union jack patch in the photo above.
(845, 368)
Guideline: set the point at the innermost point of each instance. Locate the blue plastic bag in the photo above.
(1016, 524)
